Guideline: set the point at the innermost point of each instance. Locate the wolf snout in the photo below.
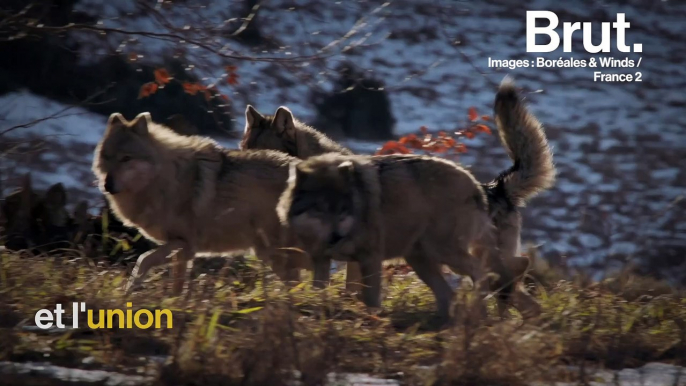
(109, 184)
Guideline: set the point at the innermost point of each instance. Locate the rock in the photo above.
(358, 107)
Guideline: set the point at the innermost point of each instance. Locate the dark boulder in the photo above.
(358, 107)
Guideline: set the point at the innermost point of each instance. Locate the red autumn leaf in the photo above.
(473, 115)
(133, 57)
(162, 76)
(416, 144)
(450, 142)
(483, 128)
(460, 148)
(393, 147)
(402, 149)
(423, 130)
(232, 79)
(469, 134)
(208, 95)
(485, 118)
(411, 140)
(439, 149)
(143, 92)
(224, 97)
(147, 89)
(230, 69)
(386, 148)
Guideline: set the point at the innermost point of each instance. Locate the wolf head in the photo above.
(320, 203)
(124, 160)
(276, 132)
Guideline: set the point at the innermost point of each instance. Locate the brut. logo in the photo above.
(568, 30)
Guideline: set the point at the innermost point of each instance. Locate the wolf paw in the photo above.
(131, 286)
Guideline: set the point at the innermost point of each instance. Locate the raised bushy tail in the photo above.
(524, 139)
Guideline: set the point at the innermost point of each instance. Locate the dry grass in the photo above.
(237, 325)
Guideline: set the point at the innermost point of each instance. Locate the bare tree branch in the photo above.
(59, 114)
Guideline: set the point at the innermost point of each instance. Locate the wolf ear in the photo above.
(56, 196)
(116, 119)
(346, 168)
(141, 123)
(283, 121)
(252, 117)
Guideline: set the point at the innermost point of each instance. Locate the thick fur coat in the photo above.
(430, 211)
(190, 195)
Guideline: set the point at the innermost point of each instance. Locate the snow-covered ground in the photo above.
(619, 147)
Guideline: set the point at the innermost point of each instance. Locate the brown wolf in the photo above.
(190, 195)
(532, 172)
(282, 132)
(429, 210)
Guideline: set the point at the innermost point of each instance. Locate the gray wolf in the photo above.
(371, 208)
(532, 172)
(429, 210)
(282, 132)
(190, 195)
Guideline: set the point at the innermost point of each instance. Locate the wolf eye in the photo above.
(125, 158)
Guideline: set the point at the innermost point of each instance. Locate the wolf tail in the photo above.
(524, 140)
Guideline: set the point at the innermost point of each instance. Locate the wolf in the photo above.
(427, 209)
(191, 196)
(531, 173)
(36, 220)
(282, 132)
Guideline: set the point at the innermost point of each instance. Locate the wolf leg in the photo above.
(285, 267)
(466, 264)
(180, 269)
(353, 277)
(429, 270)
(149, 260)
(322, 271)
(370, 268)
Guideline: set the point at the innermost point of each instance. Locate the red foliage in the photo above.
(147, 89)
(393, 147)
(473, 115)
(162, 76)
(441, 143)
(232, 79)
